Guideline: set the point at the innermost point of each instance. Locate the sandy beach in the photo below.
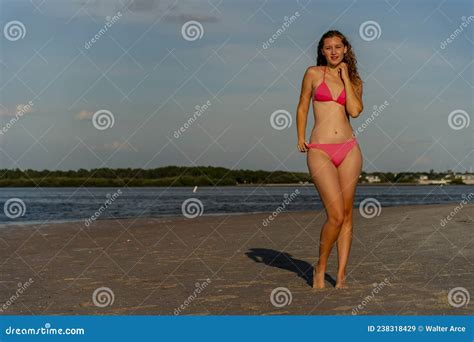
(403, 262)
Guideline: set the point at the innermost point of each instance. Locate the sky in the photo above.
(202, 83)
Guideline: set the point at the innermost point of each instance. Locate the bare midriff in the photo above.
(331, 124)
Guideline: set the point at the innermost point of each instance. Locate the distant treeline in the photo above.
(179, 176)
(163, 176)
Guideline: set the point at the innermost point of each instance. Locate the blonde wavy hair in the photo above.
(349, 56)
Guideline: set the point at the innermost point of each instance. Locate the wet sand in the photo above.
(403, 262)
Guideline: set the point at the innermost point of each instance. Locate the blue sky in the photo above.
(149, 78)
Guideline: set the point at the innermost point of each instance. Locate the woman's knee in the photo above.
(348, 214)
(336, 218)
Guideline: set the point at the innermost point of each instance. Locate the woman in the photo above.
(334, 157)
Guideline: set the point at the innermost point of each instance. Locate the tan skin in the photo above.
(336, 186)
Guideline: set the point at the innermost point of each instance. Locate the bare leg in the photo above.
(325, 177)
(349, 172)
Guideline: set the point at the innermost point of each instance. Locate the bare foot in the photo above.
(318, 277)
(341, 283)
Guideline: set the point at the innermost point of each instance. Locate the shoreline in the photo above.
(4, 225)
(236, 185)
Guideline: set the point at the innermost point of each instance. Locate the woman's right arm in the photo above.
(303, 106)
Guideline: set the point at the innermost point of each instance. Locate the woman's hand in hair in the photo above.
(343, 71)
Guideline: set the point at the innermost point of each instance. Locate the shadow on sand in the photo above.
(285, 261)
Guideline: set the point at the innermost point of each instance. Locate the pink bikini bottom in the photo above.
(336, 152)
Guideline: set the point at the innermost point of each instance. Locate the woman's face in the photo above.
(334, 50)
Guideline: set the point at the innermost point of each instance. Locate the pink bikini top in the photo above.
(323, 93)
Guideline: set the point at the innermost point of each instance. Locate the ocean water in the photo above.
(42, 205)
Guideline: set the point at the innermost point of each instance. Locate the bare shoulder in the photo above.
(312, 73)
(311, 70)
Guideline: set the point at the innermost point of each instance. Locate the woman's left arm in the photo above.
(354, 105)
